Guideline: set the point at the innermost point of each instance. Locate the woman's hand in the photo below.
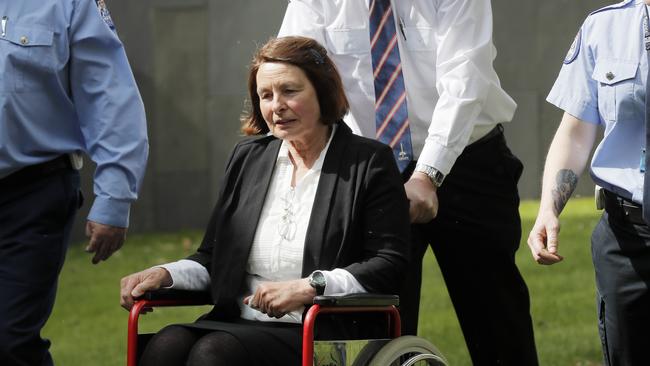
(276, 299)
(135, 285)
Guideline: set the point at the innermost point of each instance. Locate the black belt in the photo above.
(624, 208)
(35, 172)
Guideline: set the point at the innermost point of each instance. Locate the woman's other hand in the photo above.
(135, 285)
(276, 299)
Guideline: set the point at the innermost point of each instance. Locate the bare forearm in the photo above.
(566, 160)
(566, 181)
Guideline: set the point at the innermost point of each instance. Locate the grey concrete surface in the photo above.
(190, 57)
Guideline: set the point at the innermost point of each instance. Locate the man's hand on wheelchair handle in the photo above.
(423, 198)
(276, 299)
(135, 285)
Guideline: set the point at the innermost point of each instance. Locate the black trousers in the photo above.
(35, 221)
(475, 237)
(621, 257)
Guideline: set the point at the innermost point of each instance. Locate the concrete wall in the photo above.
(190, 56)
(532, 38)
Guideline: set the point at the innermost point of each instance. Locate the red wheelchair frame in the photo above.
(354, 303)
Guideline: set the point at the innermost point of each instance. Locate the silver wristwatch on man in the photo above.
(434, 174)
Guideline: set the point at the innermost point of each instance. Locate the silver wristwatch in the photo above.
(434, 174)
(318, 281)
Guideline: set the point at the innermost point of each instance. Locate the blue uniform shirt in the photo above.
(66, 86)
(603, 81)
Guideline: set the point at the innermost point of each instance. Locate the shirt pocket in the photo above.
(616, 82)
(419, 39)
(348, 41)
(421, 48)
(29, 55)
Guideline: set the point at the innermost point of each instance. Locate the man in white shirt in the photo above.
(455, 107)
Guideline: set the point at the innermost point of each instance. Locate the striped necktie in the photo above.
(391, 114)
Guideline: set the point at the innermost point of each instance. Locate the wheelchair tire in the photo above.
(408, 351)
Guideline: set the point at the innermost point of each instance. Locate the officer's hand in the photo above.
(104, 240)
(135, 285)
(543, 238)
(423, 199)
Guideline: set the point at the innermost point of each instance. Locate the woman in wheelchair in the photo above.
(305, 208)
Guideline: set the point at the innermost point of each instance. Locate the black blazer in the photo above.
(359, 220)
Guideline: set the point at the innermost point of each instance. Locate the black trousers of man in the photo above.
(36, 214)
(475, 237)
(621, 255)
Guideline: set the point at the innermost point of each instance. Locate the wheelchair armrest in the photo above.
(158, 298)
(360, 299)
(182, 296)
(348, 303)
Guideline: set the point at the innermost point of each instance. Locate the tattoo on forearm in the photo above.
(565, 183)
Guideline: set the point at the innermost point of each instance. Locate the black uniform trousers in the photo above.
(621, 256)
(36, 215)
(475, 237)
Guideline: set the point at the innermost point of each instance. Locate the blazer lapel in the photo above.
(325, 194)
(260, 168)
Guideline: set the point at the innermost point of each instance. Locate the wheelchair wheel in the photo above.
(408, 351)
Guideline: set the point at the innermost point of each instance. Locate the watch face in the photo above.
(317, 281)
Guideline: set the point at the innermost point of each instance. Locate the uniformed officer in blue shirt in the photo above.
(603, 83)
(65, 88)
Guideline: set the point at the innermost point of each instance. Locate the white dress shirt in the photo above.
(453, 93)
(277, 250)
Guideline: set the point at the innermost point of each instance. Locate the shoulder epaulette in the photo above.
(620, 5)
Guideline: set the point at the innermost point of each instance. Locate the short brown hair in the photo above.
(312, 59)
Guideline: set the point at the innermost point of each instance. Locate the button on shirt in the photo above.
(66, 86)
(602, 82)
(453, 93)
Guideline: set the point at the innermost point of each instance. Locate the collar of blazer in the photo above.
(325, 195)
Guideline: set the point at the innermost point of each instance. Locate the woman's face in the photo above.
(288, 102)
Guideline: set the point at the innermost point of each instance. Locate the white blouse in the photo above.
(278, 245)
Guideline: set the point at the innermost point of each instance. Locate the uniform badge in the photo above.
(106, 16)
(574, 49)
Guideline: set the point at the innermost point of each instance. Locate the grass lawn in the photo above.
(88, 327)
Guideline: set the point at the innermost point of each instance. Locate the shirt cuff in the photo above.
(438, 156)
(187, 275)
(108, 211)
(340, 281)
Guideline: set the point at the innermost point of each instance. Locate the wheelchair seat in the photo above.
(393, 350)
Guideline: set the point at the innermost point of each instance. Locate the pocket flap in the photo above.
(27, 37)
(613, 71)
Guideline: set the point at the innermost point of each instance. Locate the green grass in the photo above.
(88, 327)
(562, 295)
